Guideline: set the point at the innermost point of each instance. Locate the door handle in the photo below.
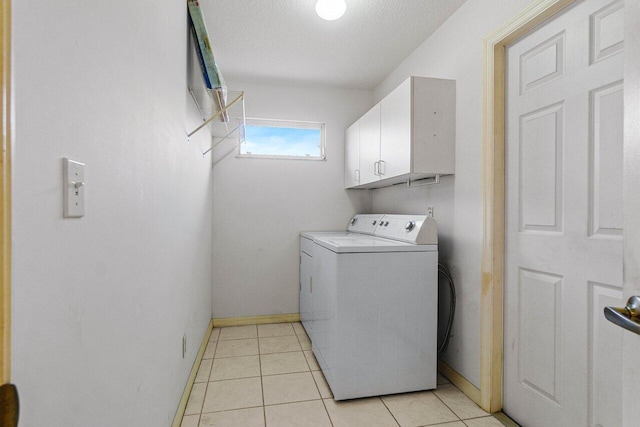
(626, 317)
(381, 167)
(375, 169)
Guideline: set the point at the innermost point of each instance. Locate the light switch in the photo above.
(74, 188)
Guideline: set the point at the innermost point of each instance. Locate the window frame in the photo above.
(291, 124)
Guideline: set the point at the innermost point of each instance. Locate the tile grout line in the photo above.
(264, 403)
(209, 378)
(289, 403)
(322, 399)
(482, 416)
(389, 410)
(324, 405)
(325, 408)
(308, 370)
(264, 407)
(486, 415)
(449, 408)
(206, 388)
(259, 354)
(444, 423)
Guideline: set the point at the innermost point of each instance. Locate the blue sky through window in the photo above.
(281, 141)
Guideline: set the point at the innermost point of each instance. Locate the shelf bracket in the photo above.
(216, 115)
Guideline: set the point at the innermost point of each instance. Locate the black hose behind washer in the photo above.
(452, 307)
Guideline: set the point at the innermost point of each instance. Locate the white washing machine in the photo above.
(368, 301)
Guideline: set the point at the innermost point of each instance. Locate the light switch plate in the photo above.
(74, 188)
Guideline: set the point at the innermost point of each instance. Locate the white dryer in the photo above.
(368, 301)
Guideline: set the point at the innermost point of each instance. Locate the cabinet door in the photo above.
(306, 277)
(369, 145)
(352, 156)
(395, 132)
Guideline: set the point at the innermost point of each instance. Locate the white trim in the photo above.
(491, 295)
(182, 406)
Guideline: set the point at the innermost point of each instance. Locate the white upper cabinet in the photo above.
(352, 156)
(395, 132)
(407, 136)
(370, 145)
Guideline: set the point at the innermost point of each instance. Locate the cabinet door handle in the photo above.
(356, 175)
(381, 167)
(311, 285)
(375, 169)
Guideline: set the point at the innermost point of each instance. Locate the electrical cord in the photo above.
(442, 270)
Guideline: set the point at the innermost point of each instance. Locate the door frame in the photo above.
(5, 191)
(493, 194)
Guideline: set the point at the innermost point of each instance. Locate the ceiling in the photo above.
(285, 41)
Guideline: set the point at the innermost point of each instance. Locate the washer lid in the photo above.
(313, 235)
(368, 244)
(360, 223)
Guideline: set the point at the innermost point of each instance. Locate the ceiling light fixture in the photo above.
(330, 9)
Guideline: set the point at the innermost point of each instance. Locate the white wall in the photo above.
(261, 205)
(455, 52)
(100, 304)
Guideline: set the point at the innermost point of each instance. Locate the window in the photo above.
(283, 140)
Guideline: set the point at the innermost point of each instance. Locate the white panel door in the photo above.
(370, 145)
(395, 131)
(352, 155)
(564, 219)
(631, 341)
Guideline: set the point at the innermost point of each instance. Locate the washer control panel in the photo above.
(418, 229)
(364, 223)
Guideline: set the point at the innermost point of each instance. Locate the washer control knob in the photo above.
(374, 222)
(386, 223)
(410, 225)
(354, 220)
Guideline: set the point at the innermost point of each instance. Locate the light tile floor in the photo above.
(267, 376)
